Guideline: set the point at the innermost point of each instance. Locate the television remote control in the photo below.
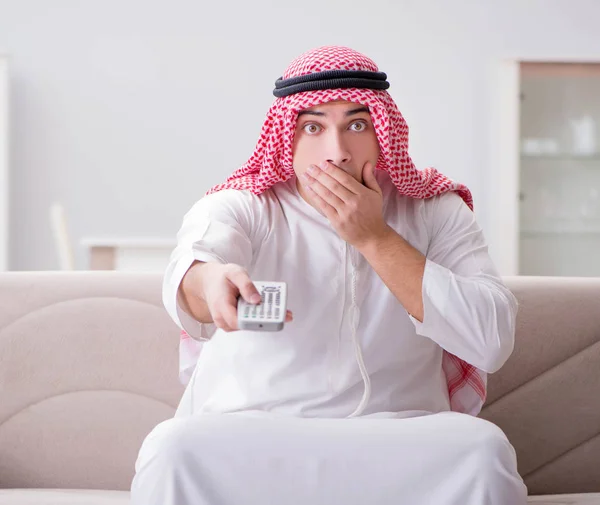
(269, 314)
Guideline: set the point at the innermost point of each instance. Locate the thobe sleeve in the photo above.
(468, 310)
(218, 228)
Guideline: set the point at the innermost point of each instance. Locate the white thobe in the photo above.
(310, 369)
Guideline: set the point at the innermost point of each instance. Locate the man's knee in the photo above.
(171, 442)
(482, 439)
(163, 443)
(497, 465)
(492, 449)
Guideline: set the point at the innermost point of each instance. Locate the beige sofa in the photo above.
(88, 365)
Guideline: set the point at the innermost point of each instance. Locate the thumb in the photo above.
(369, 177)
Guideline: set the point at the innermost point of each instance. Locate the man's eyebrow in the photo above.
(310, 112)
(350, 112)
(357, 111)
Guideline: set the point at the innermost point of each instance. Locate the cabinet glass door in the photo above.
(559, 172)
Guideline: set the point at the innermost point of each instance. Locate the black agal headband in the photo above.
(331, 79)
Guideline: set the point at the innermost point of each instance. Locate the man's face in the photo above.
(340, 132)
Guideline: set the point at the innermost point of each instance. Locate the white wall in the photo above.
(128, 110)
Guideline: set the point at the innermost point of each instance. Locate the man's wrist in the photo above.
(378, 241)
(191, 293)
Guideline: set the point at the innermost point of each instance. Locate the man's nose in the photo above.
(338, 152)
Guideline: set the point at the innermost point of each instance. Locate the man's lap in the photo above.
(260, 456)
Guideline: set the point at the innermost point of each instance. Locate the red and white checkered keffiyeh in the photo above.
(271, 163)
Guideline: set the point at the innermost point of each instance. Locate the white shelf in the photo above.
(550, 233)
(128, 253)
(561, 157)
(129, 242)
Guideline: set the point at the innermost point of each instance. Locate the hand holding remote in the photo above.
(270, 313)
(219, 287)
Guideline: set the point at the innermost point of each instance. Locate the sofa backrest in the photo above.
(546, 398)
(88, 366)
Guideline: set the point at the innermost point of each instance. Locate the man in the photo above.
(398, 314)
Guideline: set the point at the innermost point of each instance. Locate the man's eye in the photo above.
(311, 128)
(358, 126)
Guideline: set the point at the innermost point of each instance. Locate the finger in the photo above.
(246, 288)
(346, 180)
(328, 211)
(227, 314)
(330, 182)
(220, 323)
(325, 193)
(369, 178)
(289, 317)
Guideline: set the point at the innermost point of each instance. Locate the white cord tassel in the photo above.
(357, 350)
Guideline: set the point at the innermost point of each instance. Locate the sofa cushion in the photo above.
(566, 499)
(62, 497)
(91, 497)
